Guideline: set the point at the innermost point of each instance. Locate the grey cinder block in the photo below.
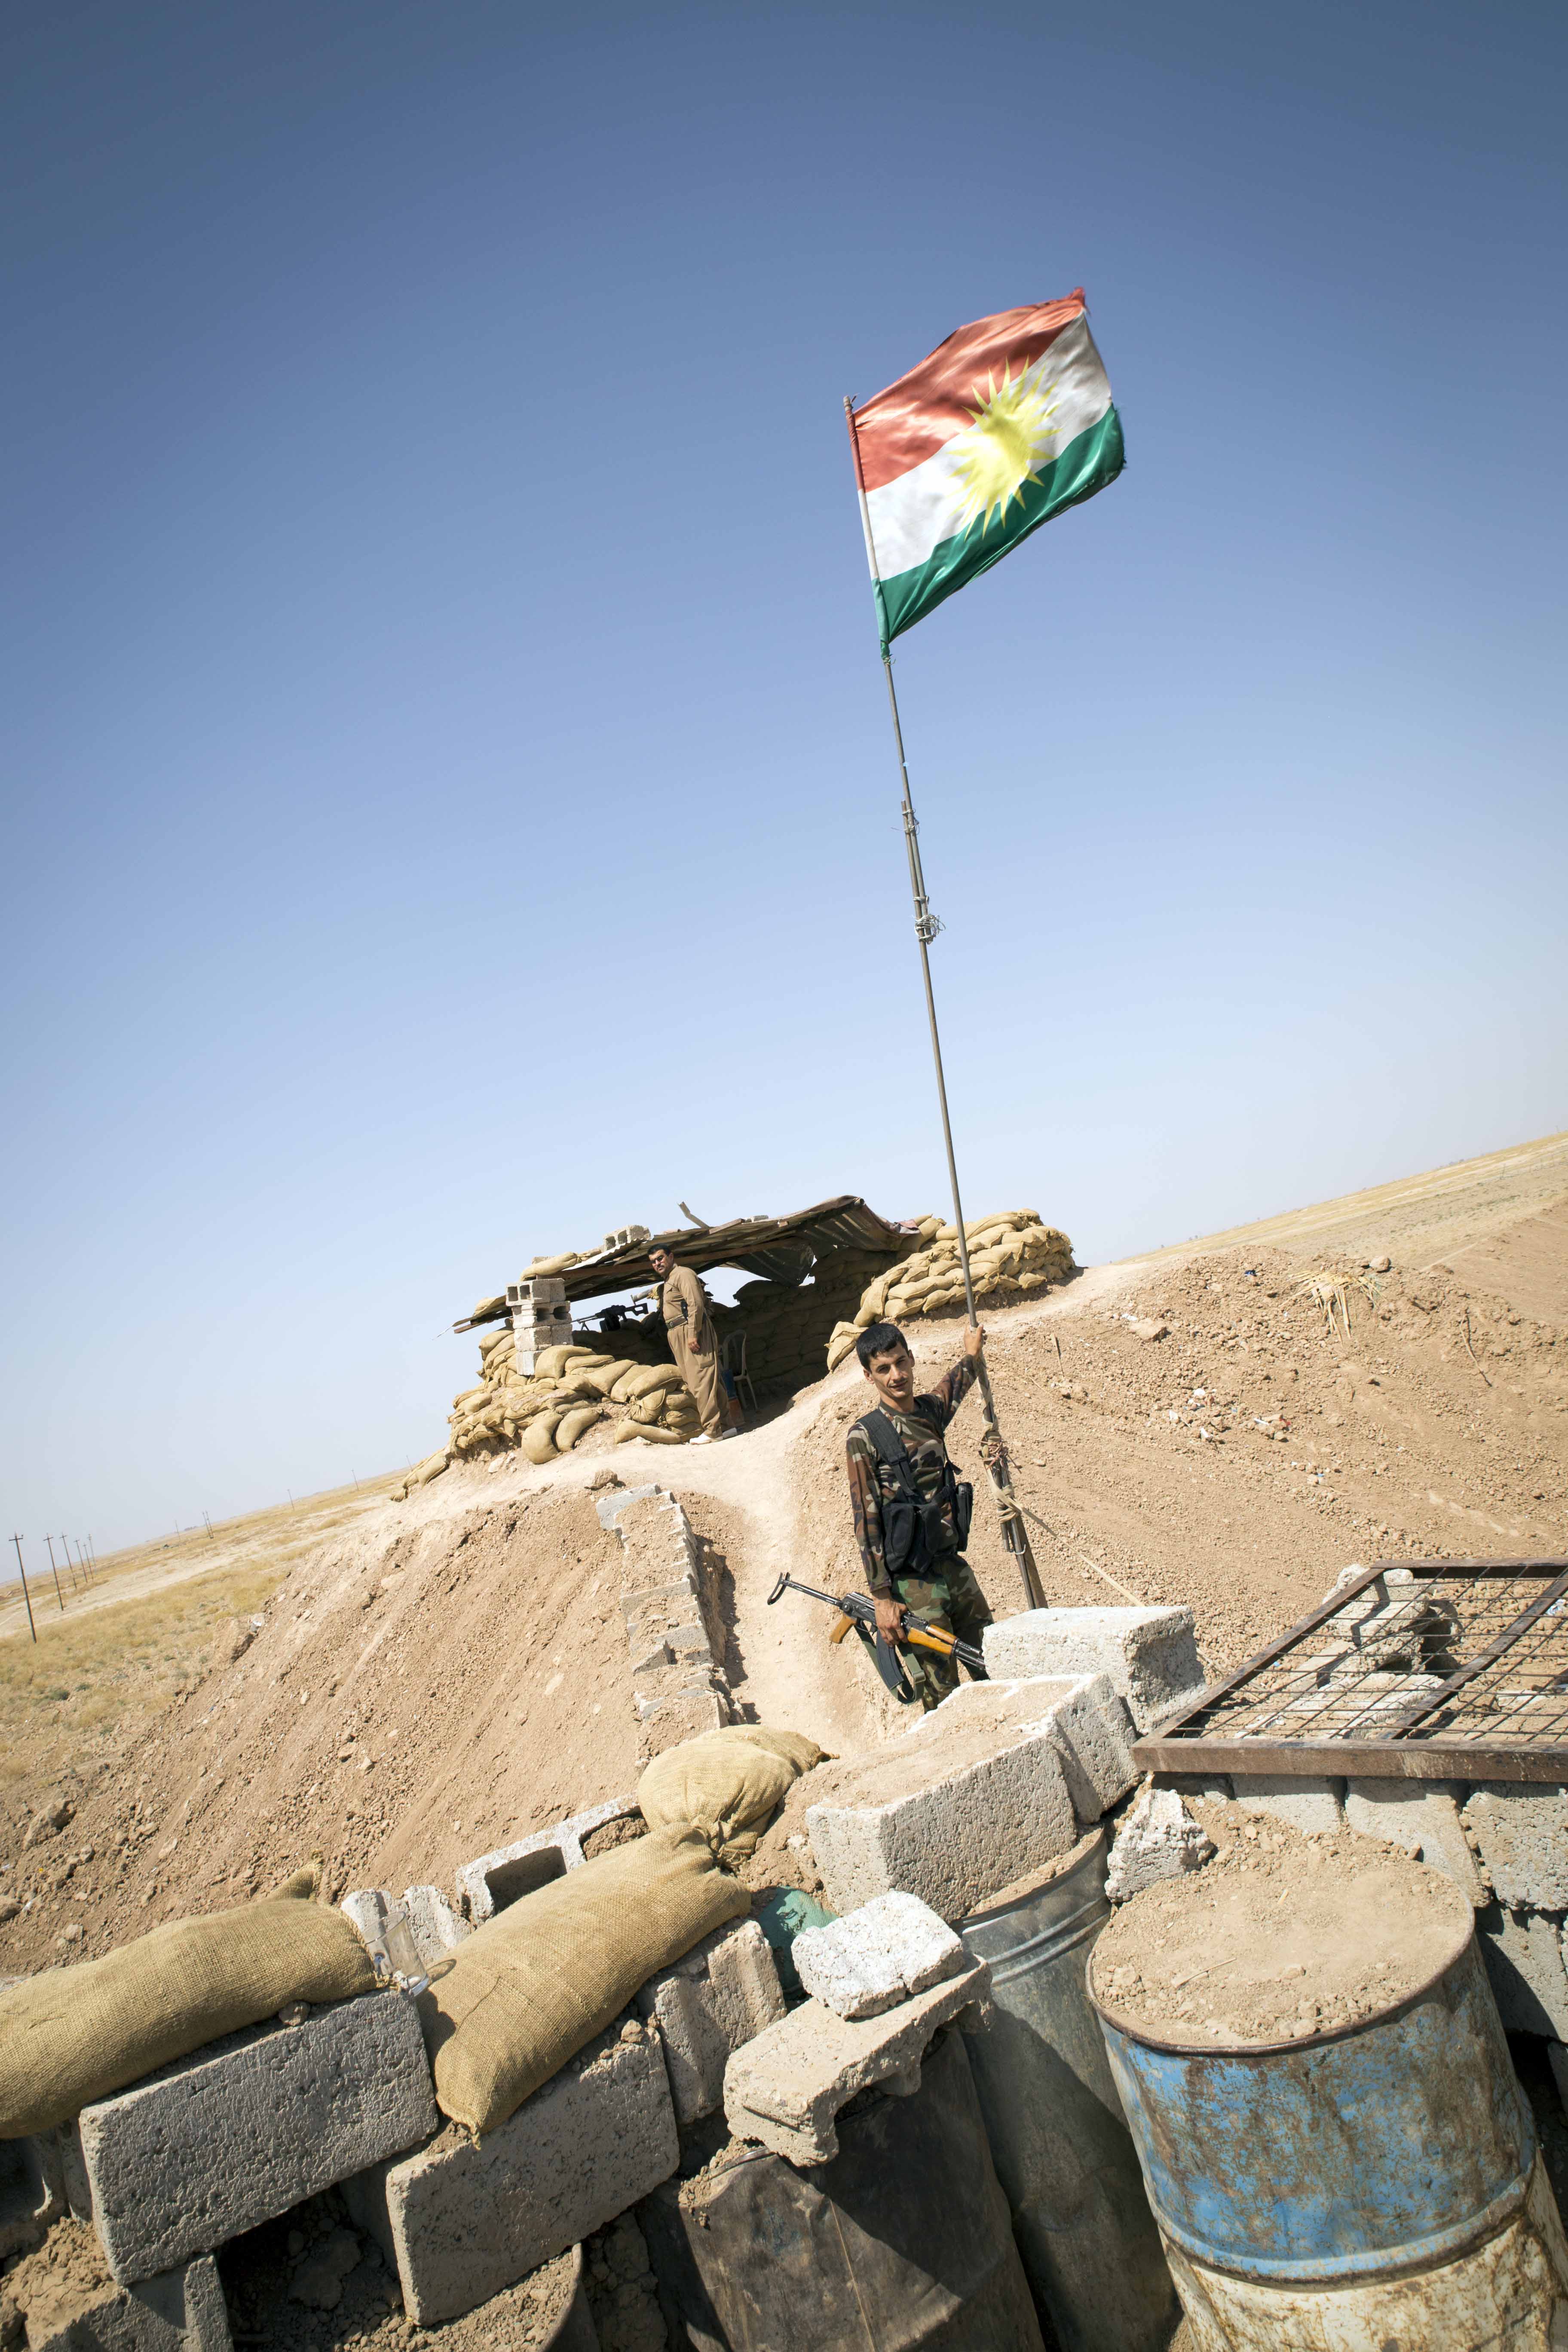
(876, 1957)
(248, 2126)
(720, 1996)
(968, 1825)
(1523, 1954)
(1311, 1803)
(610, 1507)
(435, 1926)
(787, 2086)
(182, 2310)
(497, 1879)
(1092, 1732)
(1158, 1839)
(1150, 1654)
(1423, 1816)
(1522, 1836)
(463, 2217)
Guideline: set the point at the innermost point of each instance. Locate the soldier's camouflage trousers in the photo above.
(951, 1602)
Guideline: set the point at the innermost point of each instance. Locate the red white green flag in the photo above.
(1006, 425)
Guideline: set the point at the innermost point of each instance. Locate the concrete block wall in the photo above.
(462, 2218)
(709, 2005)
(673, 1636)
(245, 2127)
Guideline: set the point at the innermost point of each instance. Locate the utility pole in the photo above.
(25, 1594)
(54, 1572)
(80, 1562)
(209, 1527)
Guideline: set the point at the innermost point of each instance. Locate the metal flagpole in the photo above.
(992, 1449)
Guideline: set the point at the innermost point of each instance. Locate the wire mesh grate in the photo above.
(1457, 1652)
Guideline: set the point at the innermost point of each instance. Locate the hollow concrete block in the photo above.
(787, 2086)
(181, 2310)
(1310, 1803)
(1150, 1654)
(1521, 1833)
(1422, 1816)
(954, 1826)
(489, 1884)
(461, 2218)
(435, 1927)
(875, 1958)
(1158, 1839)
(497, 1879)
(248, 2126)
(1524, 1955)
(719, 1996)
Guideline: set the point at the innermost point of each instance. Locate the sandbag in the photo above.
(530, 1987)
(538, 1440)
(651, 1431)
(73, 2035)
(647, 1377)
(602, 1380)
(552, 1361)
(571, 1426)
(725, 1785)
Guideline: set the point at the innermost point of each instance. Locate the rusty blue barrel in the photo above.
(1381, 2182)
(1063, 2154)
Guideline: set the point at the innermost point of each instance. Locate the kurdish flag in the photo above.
(1007, 423)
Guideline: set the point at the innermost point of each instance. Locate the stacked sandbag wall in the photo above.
(786, 1329)
(571, 1391)
(1011, 1255)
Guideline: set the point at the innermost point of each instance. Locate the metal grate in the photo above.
(1433, 1669)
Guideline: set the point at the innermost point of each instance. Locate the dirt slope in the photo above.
(446, 1672)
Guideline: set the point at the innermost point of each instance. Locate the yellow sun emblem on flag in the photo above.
(1005, 447)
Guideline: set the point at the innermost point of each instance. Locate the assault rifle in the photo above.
(857, 1613)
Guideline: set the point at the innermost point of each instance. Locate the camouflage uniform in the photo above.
(946, 1596)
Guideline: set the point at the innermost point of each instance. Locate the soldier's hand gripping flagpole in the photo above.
(992, 1449)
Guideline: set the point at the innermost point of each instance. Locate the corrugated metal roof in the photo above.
(778, 1249)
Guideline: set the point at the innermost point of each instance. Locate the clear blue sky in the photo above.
(450, 806)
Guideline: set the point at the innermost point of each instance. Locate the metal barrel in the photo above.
(1062, 2150)
(1379, 2185)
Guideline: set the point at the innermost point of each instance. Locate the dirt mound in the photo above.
(447, 1674)
(446, 1677)
(1281, 1937)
